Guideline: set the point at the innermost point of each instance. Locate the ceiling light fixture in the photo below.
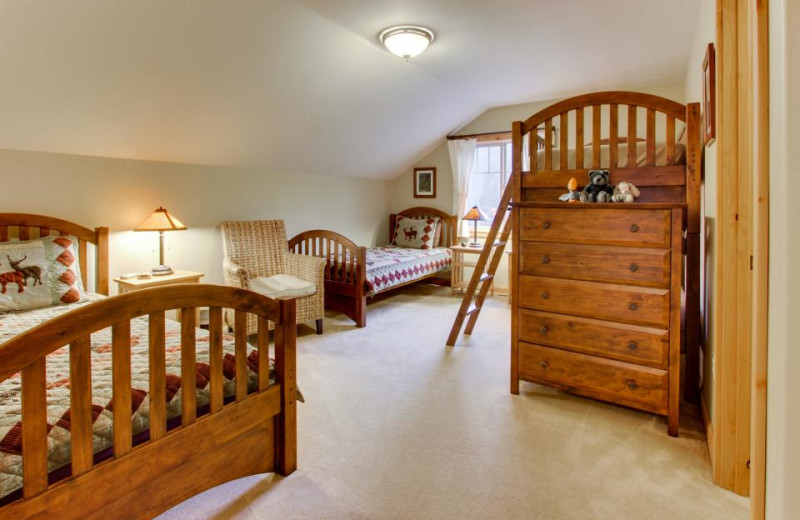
(406, 41)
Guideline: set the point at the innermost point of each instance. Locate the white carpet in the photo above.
(398, 426)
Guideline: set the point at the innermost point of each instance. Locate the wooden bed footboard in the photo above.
(254, 433)
(345, 272)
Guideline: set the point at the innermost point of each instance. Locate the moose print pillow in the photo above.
(414, 233)
(39, 273)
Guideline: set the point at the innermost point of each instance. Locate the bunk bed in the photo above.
(110, 410)
(597, 289)
(353, 273)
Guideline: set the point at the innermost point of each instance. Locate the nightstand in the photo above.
(457, 280)
(177, 277)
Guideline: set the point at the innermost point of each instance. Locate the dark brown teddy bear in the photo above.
(599, 188)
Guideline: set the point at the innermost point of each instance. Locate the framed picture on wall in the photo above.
(425, 183)
(709, 96)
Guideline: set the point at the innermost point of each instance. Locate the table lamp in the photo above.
(161, 221)
(475, 214)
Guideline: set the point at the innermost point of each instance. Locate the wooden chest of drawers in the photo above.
(596, 305)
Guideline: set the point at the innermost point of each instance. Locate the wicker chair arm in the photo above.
(309, 268)
(234, 275)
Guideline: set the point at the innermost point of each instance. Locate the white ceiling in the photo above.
(304, 85)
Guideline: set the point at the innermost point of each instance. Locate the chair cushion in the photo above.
(283, 286)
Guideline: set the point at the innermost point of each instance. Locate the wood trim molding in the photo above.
(738, 438)
(758, 447)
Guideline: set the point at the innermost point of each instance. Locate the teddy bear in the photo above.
(625, 192)
(599, 188)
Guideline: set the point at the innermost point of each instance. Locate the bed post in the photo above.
(693, 179)
(101, 265)
(286, 374)
(360, 294)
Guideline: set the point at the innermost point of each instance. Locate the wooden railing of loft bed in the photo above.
(659, 183)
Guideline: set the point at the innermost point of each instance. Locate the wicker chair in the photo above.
(256, 257)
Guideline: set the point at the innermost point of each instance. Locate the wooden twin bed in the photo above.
(355, 272)
(78, 382)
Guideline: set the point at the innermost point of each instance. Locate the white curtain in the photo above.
(462, 162)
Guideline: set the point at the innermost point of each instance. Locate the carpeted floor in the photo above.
(397, 426)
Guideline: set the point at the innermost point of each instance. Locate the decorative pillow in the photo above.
(437, 235)
(39, 273)
(414, 233)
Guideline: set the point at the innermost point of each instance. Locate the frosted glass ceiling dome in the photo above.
(406, 41)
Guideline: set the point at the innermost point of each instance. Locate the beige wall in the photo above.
(705, 33)
(783, 392)
(120, 193)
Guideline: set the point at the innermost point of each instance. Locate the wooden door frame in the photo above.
(738, 446)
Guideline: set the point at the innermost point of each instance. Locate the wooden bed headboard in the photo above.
(25, 226)
(589, 133)
(450, 222)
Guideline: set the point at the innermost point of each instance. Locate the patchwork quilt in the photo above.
(58, 439)
(389, 266)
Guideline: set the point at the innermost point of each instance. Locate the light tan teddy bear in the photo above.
(625, 192)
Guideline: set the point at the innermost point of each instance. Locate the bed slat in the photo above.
(80, 405)
(263, 354)
(24, 233)
(189, 365)
(3, 233)
(240, 337)
(613, 141)
(596, 112)
(533, 149)
(215, 358)
(579, 138)
(632, 129)
(548, 145)
(121, 373)
(83, 259)
(158, 371)
(563, 144)
(670, 146)
(651, 137)
(34, 428)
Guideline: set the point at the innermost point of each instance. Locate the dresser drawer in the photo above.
(604, 226)
(631, 343)
(634, 265)
(605, 301)
(615, 381)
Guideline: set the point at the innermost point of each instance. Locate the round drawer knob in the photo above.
(546, 224)
(632, 384)
(634, 228)
(634, 268)
(545, 295)
(544, 364)
(632, 346)
(545, 259)
(633, 306)
(543, 331)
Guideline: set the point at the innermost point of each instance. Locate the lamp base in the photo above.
(162, 270)
(475, 244)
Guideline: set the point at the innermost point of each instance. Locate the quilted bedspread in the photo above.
(389, 266)
(58, 387)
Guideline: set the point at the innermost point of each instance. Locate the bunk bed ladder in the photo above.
(486, 266)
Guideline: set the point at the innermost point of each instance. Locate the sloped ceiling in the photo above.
(305, 85)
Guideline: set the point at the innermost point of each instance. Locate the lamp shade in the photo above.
(475, 213)
(406, 41)
(161, 220)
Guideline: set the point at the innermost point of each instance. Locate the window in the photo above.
(492, 170)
